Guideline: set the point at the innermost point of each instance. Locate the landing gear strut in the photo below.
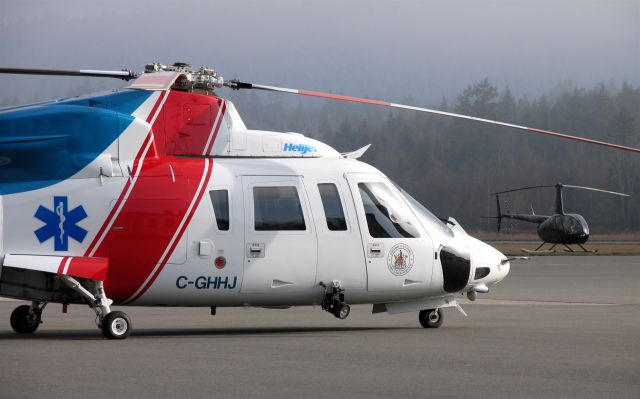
(114, 325)
(25, 319)
(333, 301)
(430, 318)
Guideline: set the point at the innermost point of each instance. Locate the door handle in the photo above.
(375, 250)
(255, 250)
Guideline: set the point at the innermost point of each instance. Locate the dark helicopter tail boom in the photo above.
(524, 217)
(533, 218)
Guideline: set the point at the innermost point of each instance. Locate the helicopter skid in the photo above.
(536, 251)
(591, 251)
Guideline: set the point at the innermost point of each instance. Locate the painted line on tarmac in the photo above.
(540, 303)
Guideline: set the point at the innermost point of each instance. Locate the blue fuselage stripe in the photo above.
(42, 145)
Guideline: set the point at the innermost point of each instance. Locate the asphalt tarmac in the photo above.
(556, 327)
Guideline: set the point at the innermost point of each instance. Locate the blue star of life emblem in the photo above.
(60, 224)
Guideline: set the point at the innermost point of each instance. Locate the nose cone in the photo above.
(490, 265)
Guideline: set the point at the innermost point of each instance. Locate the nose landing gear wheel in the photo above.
(116, 325)
(24, 320)
(430, 318)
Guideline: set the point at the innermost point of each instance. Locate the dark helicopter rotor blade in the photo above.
(522, 189)
(237, 85)
(597, 189)
(124, 74)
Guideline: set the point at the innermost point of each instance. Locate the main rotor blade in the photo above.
(563, 185)
(522, 189)
(235, 84)
(597, 189)
(124, 74)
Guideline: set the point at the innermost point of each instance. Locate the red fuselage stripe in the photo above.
(92, 268)
(128, 183)
(183, 228)
(62, 262)
(217, 128)
(154, 209)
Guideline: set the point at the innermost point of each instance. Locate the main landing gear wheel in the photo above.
(333, 301)
(116, 325)
(430, 318)
(24, 320)
(342, 311)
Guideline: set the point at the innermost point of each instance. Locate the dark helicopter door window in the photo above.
(332, 207)
(220, 202)
(387, 217)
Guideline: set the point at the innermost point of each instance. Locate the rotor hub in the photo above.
(202, 79)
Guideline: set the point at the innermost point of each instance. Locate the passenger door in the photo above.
(399, 253)
(340, 255)
(280, 239)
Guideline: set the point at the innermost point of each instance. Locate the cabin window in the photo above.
(277, 208)
(387, 216)
(220, 202)
(332, 207)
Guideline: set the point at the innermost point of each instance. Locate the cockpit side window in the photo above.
(332, 207)
(387, 216)
(425, 215)
(220, 202)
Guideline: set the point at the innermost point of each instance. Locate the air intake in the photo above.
(456, 267)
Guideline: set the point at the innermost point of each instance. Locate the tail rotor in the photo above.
(499, 220)
(498, 216)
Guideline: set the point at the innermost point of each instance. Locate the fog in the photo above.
(571, 66)
(389, 50)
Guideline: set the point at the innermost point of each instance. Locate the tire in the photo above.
(431, 318)
(22, 320)
(342, 311)
(116, 325)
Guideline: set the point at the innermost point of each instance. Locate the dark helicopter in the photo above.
(559, 228)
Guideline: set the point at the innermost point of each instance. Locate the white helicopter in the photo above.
(158, 195)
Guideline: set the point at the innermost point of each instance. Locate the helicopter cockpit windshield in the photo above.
(387, 216)
(424, 214)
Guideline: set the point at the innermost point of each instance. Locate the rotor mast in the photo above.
(559, 202)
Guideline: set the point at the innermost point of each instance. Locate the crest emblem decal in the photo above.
(400, 259)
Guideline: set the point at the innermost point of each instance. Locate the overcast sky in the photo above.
(385, 49)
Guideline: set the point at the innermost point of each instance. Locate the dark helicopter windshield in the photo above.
(579, 224)
(424, 214)
(585, 226)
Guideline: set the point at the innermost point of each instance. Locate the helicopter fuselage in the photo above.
(569, 228)
(236, 232)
